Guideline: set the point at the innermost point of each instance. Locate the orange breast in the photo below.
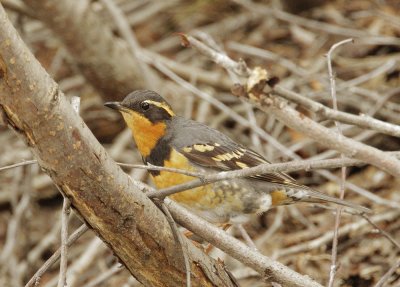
(202, 196)
(167, 179)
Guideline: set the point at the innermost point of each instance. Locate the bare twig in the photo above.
(246, 236)
(179, 240)
(308, 164)
(198, 174)
(139, 166)
(267, 168)
(250, 50)
(116, 268)
(328, 236)
(13, 227)
(64, 239)
(325, 112)
(239, 68)
(261, 169)
(362, 120)
(80, 265)
(334, 267)
(56, 255)
(383, 232)
(386, 277)
(18, 164)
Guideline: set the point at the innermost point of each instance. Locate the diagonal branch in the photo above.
(262, 264)
(328, 113)
(56, 255)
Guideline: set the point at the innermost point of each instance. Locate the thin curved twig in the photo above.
(56, 255)
(332, 81)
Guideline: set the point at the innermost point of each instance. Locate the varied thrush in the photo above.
(165, 139)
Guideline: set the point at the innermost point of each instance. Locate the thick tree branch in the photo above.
(132, 226)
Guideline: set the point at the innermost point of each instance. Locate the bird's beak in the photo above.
(115, 106)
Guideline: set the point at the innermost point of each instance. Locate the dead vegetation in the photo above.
(291, 43)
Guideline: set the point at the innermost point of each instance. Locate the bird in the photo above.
(168, 140)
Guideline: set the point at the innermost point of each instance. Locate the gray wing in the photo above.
(210, 148)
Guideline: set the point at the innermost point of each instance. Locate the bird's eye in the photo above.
(145, 106)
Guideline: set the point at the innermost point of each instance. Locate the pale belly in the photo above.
(222, 202)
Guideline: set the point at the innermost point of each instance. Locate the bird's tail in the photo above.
(318, 197)
(303, 194)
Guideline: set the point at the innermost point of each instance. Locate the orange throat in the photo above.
(145, 133)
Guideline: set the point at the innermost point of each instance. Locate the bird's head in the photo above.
(146, 113)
